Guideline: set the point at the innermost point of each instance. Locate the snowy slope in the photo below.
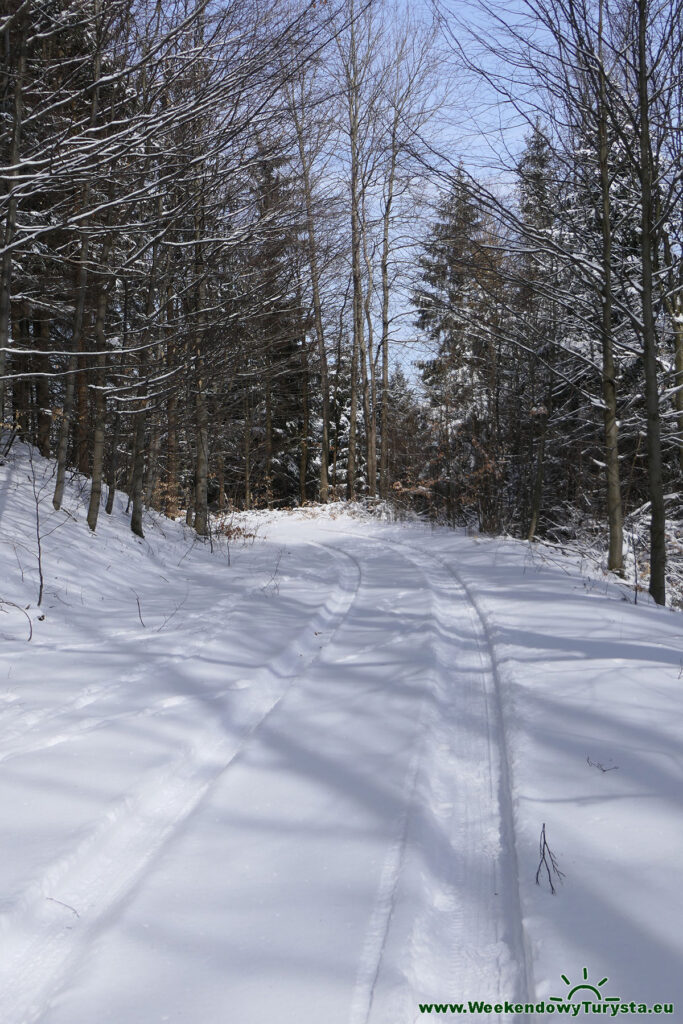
(305, 780)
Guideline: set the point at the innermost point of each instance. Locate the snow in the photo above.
(304, 779)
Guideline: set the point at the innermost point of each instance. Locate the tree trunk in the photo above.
(97, 456)
(303, 448)
(654, 451)
(537, 492)
(82, 424)
(201, 511)
(386, 222)
(41, 330)
(678, 339)
(615, 558)
(247, 452)
(172, 483)
(65, 423)
(79, 311)
(113, 465)
(317, 310)
(114, 459)
(674, 305)
(172, 489)
(269, 438)
(368, 375)
(221, 483)
(138, 471)
(136, 493)
(201, 517)
(153, 462)
(138, 474)
(100, 402)
(21, 395)
(10, 223)
(351, 461)
(353, 87)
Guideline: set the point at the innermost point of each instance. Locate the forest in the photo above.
(256, 255)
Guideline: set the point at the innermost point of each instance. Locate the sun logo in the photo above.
(584, 987)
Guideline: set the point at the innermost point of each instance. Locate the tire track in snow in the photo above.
(506, 867)
(456, 935)
(506, 785)
(378, 930)
(46, 933)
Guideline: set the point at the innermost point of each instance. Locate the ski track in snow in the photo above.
(43, 935)
(470, 818)
(457, 792)
(371, 955)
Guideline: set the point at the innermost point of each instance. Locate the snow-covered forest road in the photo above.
(308, 785)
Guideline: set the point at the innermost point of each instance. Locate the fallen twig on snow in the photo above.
(547, 861)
